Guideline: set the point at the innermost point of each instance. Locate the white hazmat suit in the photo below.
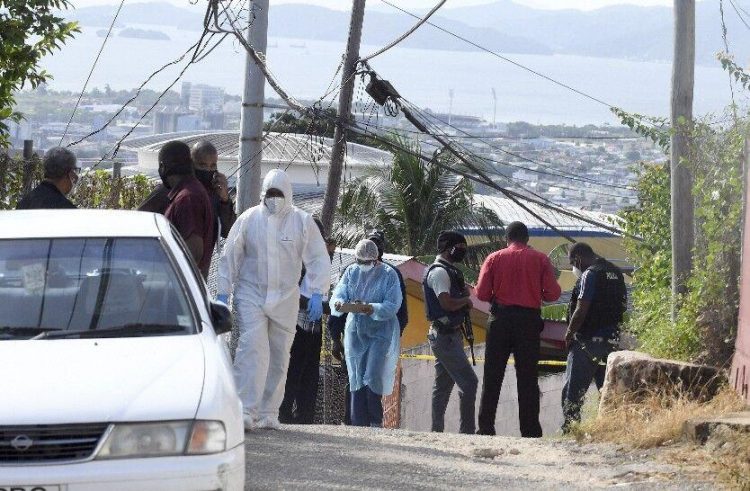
(261, 264)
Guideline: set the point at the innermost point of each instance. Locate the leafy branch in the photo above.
(653, 128)
(736, 71)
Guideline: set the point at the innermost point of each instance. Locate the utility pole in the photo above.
(344, 114)
(683, 78)
(251, 120)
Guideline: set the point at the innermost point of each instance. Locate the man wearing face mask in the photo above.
(60, 179)
(595, 312)
(189, 207)
(261, 265)
(446, 304)
(371, 338)
(205, 160)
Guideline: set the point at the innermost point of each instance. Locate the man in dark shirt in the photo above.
(205, 159)
(301, 390)
(189, 207)
(60, 178)
(515, 280)
(595, 312)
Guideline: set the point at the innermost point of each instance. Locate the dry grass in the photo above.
(657, 421)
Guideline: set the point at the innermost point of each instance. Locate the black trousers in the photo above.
(301, 392)
(513, 330)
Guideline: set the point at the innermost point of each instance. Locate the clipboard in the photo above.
(354, 308)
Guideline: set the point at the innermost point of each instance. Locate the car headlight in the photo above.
(164, 439)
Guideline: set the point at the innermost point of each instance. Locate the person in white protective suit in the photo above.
(261, 265)
(371, 339)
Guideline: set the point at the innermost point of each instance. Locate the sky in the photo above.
(345, 4)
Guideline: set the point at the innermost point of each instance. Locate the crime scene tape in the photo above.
(548, 363)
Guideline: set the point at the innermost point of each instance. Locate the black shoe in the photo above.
(490, 432)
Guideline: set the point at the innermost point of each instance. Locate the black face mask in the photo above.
(206, 177)
(457, 255)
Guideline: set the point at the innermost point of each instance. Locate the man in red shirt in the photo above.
(189, 208)
(515, 280)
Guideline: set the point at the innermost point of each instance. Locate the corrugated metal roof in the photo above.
(508, 211)
(280, 147)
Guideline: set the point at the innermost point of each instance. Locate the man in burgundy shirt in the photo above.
(515, 280)
(189, 208)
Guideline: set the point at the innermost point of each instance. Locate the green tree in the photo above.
(412, 201)
(29, 30)
(706, 324)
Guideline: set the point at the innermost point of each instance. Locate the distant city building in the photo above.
(185, 94)
(166, 119)
(203, 97)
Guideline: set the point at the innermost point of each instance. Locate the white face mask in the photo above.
(366, 267)
(577, 272)
(274, 205)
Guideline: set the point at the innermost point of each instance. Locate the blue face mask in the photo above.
(366, 267)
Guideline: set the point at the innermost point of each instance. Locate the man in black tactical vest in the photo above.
(446, 303)
(596, 309)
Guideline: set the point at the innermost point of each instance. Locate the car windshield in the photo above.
(48, 285)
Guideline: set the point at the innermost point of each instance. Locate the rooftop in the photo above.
(279, 148)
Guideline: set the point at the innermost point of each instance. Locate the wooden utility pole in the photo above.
(344, 114)
(683, 78)
(251, 120)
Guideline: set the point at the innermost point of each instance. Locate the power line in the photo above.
(496, 172)
(136, 95)
(91, 72)
(406, 34)
(504, 58)
(742, 18)
(512, 194)
(547, 165)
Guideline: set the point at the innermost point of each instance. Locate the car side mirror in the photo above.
(221, 317)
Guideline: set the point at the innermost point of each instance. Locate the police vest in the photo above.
(609, 302)
(433, 310)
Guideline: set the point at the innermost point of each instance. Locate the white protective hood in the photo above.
(277, 179)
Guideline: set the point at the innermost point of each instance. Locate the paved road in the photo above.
(338, 457)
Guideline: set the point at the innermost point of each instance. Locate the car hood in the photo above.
(100, 380)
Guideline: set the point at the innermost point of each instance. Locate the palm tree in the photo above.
(412, 201)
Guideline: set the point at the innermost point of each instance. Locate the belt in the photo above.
(515, 308)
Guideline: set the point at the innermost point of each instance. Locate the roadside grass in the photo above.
(657, 421)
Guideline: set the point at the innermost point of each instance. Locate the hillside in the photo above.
(626, 31)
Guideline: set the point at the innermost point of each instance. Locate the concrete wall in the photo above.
(416, 398)
(740, 371)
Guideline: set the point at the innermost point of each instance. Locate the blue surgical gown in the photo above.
(371, 342)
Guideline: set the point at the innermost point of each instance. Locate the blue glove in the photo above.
(223, 297)
(315, 307)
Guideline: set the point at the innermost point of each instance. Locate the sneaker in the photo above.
(251, 421)
(269, 423)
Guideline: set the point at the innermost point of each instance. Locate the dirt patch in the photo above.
(339, 457)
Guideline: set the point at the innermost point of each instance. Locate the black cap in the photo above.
(449, 238)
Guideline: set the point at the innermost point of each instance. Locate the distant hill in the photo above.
(626, 31)
(622, 31)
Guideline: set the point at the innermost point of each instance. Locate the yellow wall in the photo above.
(415, 333)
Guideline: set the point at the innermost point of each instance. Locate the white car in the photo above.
(112, 373)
